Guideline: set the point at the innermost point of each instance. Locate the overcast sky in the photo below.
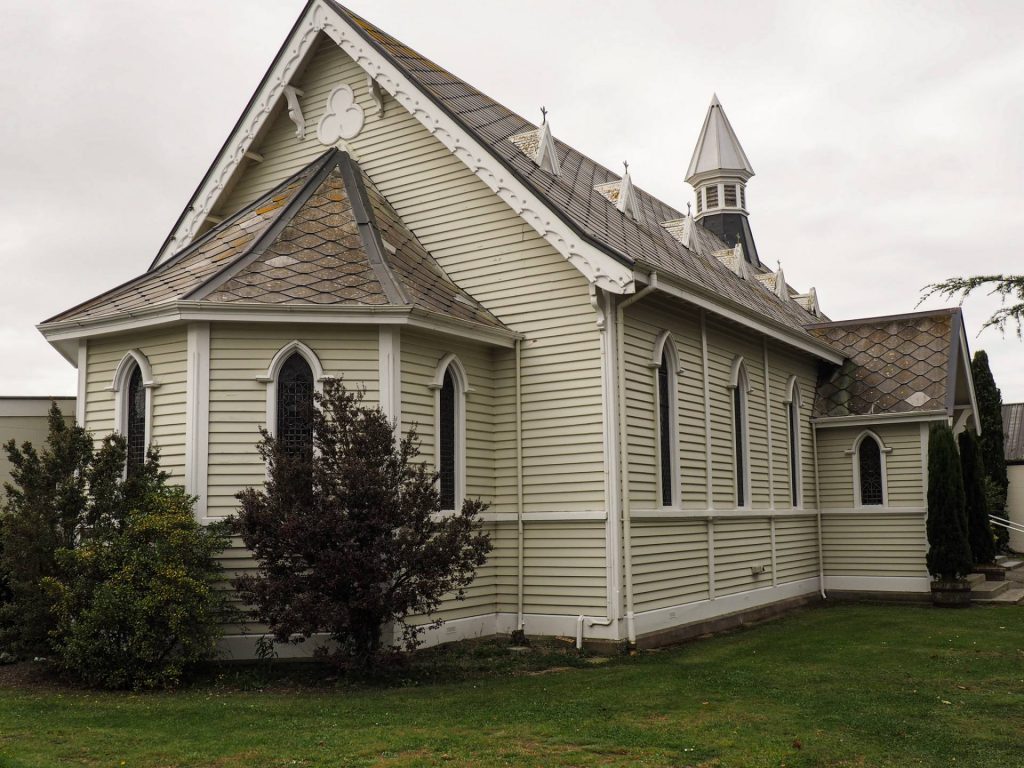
(886, 136)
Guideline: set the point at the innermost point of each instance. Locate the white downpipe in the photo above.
(520, 543)
(817, 504)
(627, 545)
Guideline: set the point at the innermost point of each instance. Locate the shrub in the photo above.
(349, 537)
(137, 603)
(949, 554)
(44, 506)
(979, 532)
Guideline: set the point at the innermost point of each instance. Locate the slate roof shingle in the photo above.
(896, 364)
(326, 236)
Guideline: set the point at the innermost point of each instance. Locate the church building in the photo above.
(668, 433)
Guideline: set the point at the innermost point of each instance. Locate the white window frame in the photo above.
(738, 380)
(665, 345)
(274, 370)
(462, 390)
(795, 456)
(854, 454)
(119, 386)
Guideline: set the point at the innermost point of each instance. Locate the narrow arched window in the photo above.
(793, 423)
(446, 442)
(135, 420)
(294, 428)
(666, 432)
(869, 460)
(739, 435)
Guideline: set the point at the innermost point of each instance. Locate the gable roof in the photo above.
(564, 208)
(1013, 432)
(896, 364)
(325, 236)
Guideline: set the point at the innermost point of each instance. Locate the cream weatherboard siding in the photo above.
(888, 541)
(240, 354)
(166, 351)
(26, 419)
(491, 253)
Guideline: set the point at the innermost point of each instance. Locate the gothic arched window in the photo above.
(294, 428)
(135, 419)
(739, 434)
(869, 461)
(446, 441)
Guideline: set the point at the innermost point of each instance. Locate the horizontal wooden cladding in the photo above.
(240, 354)
(487, 249)
(565, 568)
(903, 465)
(796, 548)
(740, 546)
(670, 564)
(644, 323)
(867, 544)
(166, 351)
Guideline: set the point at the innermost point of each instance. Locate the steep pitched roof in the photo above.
(717, 148)
(326, 236)
(572, 195)
(1013, 432)
(897, 364)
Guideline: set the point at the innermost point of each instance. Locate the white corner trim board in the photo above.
(197, 415)
(596, 265)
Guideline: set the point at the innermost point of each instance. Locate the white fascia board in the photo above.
(965, 352)
(828, 422)
(185, 311)
(597, 266)
(716, 305)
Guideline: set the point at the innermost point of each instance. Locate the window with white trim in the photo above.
(794, 444)
(451, 386)
(295, 386)
(665, 362)
(446, 442)
(741, 449)
(870, 475)
(135, 420)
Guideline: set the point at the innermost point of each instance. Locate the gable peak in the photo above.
(539, 145)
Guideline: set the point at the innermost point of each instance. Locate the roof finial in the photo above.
(625, 164)
(688, 204)
(544, 115)
(778, 264)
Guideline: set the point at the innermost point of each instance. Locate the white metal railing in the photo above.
(1009, 525)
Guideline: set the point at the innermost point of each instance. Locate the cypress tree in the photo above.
(979, 532)
(949, 554)
(990, 416)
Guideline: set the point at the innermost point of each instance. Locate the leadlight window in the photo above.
(446, 442)
(739, 441)
(135, 422)
(793, 417)
(665, 432)
(870, 458)
(295, 407)
(730, 195)
(712, 193)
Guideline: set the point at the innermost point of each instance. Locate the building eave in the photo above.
(828, 422)
(59, 334)
(716, 304)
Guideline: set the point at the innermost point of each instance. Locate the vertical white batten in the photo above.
(197, 415)
(389, 371)
(602, 303)
(83, 378)
(768, 425)
(707, 409)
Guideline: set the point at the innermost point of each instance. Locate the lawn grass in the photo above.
(844, 685)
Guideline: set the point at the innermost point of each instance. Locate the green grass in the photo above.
(839, 686)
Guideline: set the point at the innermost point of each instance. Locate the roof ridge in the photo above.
(188, 249)
(362, 211)
(270, 233)
(888, 318)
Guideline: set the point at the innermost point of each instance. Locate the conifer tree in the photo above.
(979, 532)
(949, 554)
(993, 457)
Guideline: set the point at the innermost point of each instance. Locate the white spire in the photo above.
(717, 148)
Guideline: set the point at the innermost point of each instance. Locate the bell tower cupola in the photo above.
(718, 173)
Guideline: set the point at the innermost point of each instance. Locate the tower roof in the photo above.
(718, 149)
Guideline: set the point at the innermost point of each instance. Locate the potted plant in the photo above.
(949, 552)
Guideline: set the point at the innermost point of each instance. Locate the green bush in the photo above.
(949, 554)
(979, 532)
(137, 603)
(990, 414)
